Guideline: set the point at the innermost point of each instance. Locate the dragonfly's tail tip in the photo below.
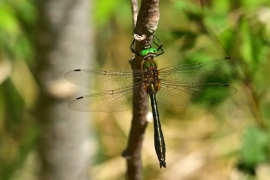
(162, 164)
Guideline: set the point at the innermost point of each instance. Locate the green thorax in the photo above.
(150, 72)
(149, 64)
(148, 55)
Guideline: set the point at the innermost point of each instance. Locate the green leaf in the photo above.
(8, 21)
(104, 9)
(228, 40)
(254, 150)
(26, 11)
(254, 48)
(221, 6)
(265, 111)
(22, 48)
(189, 38)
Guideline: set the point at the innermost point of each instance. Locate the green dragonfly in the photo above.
(177, 85)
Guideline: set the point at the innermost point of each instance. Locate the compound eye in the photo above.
(153, 50)
(144, 52)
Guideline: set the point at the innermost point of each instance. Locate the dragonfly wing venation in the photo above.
(105, 80)
(185, 94)
(109, 101)
(199, 72)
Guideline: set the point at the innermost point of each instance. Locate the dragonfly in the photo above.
(176, 85)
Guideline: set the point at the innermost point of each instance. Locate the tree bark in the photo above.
(63, 45)
(146, 24)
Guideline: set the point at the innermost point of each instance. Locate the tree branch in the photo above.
(134, 8)
(145, 27)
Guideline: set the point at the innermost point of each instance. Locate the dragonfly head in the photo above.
(148, 53)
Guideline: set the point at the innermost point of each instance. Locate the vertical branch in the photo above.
(134, 9)
(145, 27)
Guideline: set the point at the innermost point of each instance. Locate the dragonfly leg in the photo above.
(132, 48)
(160, 45)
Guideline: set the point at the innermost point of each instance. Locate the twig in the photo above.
(134, 8)
(208, 31)
(254, 99)
(145, 27)
(202, 3)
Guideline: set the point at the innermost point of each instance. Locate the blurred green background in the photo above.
(224, 140)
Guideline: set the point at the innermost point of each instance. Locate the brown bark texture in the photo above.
(147, 21)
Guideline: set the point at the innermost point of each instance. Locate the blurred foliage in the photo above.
(17, 19)
(252, 157)
(211, 140)
(18, 128)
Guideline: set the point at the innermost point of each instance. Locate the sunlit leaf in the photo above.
(8, 21)
(104, 9)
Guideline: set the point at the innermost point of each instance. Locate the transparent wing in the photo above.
(108, 101)
(199, 72)
(105, 80)
(185, 94)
